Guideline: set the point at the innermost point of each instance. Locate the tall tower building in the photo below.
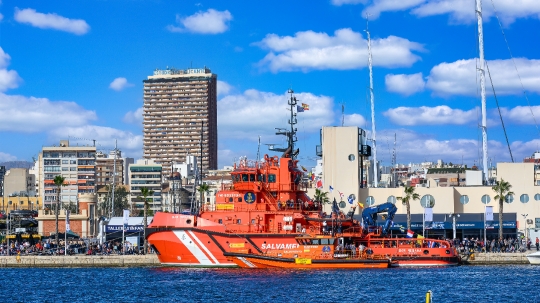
(180, 117)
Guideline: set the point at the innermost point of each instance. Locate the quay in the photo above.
(496, 258)
(80, 261)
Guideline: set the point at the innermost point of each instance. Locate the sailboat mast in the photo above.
(482, 88)
(374, 149)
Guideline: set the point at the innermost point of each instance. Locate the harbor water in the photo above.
(512, 283)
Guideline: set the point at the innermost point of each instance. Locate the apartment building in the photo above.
(77, 164)
(180, 117)
(106, 164)
(145, 173)
(19, 182)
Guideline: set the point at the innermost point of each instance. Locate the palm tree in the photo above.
(59, 182)
(406, 200)
(321, 196)
(203, 189)
(502, 189)
(145, 192)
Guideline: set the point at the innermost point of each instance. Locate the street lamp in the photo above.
(453, 216)
(525, 229)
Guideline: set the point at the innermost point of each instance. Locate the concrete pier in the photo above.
(497, 258)
(80, 261)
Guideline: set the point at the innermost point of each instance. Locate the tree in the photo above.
(502, 189)
(59, 182)
(120, 201)
(203, 189)
(321, 196)
(145, 192)
(406, 200)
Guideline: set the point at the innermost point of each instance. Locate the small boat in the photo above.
(534, 258)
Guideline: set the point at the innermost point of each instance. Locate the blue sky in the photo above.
(75, 69)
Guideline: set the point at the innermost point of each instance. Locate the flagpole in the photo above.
(424, 223)
(485, 207)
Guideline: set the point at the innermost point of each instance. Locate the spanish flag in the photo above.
(305, 106)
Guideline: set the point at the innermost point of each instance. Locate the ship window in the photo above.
(315, 241)
(240, 199)
(324, 242)
(230, 199)
(261, 178)
(331, 241)
(220, 221)
(238, 221)
(252, 178)
(244, 177)
(272, 178)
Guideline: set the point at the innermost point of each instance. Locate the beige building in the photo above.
(8, 204)
(106, 164)
(341, 171)
(18, 182)
(148, 174)
(180, 109)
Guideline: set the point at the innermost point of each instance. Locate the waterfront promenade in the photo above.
(80, 261)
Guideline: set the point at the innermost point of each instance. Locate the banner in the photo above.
(489, 213)
(428, 214)
(126, 218)
(67, 220)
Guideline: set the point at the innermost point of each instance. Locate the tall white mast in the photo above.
(482, 88)
(375, 170)
(114, 177)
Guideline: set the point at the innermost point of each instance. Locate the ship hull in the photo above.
(260, 261)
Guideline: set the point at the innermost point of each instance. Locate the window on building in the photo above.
(370, 200)
(427, 201)
(391, 199)
(464, 199)
(509, 198)
(524, 198)
(537, 197)
(486, 199)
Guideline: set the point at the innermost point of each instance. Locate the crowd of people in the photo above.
(74, 247)
(505, 245)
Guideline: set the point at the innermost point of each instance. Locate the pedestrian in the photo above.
(537, 244)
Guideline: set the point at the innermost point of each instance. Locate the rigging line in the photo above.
(515, 66)
(500, 115)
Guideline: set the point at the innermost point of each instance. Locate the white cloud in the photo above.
(342, 2)
(31, 115)
(345, 50)
(460, 11)
(209, 22)
(458, 78)
(53, 21)
(521, 114)
(405, 84)
(4, 157)
(355, 120)
(424, 115)
(223, 88)
(119, 84)
(135, 117)
(8, 78)
(262, 112)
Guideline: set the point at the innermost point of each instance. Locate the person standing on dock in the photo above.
(537, 244)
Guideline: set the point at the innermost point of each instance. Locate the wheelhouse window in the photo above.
(244, 177)
(271, 178)
(252, 177)
(261, 178)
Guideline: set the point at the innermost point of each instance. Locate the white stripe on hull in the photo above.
(246, 262)
(203, 246)
(193, 248)
(200, 265)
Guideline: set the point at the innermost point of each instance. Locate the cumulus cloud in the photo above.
(119, 84)
(424, 115)
(223, 88)
(521, 114)
(458, 78)
(134, 117)
(405, 84)
(51, 21)
(209, 22)
(355, 120)
(8, 78)
(4, 157)
(459, 11)
(262, 112)
(31, 115)
(344, 50)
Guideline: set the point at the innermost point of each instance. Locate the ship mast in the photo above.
(291, 135)
(370, 63)
(482, 88)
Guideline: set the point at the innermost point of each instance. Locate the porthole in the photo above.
(427, 201)
(537, 197)
(486, 199)
(188, 221)
(464, 199)
(524, 198)
(370, 201)
(342, 204)
(352, 197)
(509, 198)
(351, 157)
(391, 199)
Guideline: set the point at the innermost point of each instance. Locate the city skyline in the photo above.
(75, 71)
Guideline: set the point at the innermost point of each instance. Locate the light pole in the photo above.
(454, 216)
(525, 229)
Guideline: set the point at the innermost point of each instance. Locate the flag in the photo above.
(410, 233)
(350, 199)
(303, 168)
(67, 220)
(360, 204)
(312, 176)
(489, 213)
(299, 109)
(319, 184)
(419, 237)
(305, 106)
(330, 188)
(340, 194)
(335, 208)
(428, 214)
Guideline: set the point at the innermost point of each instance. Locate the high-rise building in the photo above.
(180, 117)
(77, 164)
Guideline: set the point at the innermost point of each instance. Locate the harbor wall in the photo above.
(80, 261)
(496, 259)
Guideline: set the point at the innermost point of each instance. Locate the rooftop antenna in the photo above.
(482, 88)
(370, 64)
